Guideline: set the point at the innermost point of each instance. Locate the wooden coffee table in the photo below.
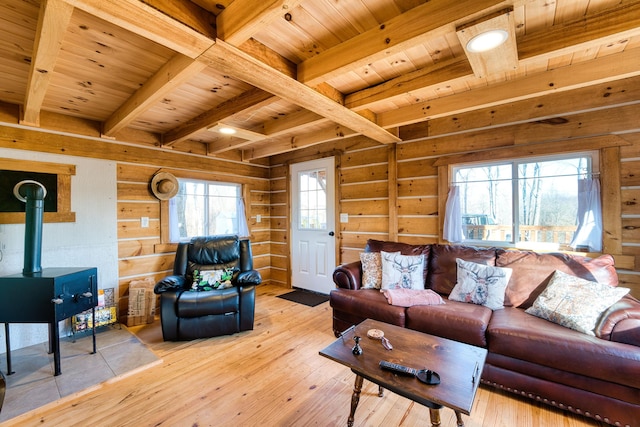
(459, 366)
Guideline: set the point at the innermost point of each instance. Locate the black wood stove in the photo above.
(47, 295)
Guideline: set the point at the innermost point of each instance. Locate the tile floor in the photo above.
(33, 384)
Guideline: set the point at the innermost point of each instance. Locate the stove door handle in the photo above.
(57, 300)
(87, 294)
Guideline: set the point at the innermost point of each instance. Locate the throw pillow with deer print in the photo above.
(480, 284)
(402, 271)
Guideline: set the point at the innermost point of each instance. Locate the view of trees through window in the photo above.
(530, 200)
(203, 208)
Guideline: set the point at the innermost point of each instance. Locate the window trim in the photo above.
(514, 164)
(610, 179)
(166, 245)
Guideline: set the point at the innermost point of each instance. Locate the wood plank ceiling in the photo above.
(288, 74)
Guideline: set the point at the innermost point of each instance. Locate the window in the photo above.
(205, 208)
(533, 202)
(312, 187)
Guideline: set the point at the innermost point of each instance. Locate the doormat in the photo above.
(308, 298)
(119, 354)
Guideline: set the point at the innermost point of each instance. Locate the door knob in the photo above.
(331, 233)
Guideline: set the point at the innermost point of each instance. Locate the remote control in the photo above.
(400, 369)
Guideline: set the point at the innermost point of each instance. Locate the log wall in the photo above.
(143, 253)
(397, 192)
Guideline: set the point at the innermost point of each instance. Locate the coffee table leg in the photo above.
(380, 391)
(435, 417)
(459, 419)
(355, 398)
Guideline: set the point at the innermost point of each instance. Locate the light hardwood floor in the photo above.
(271, 376)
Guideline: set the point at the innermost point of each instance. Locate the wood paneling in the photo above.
(419, 188)
(140, 251)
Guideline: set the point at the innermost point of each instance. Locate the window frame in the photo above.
(514, 165)
(206, 200)
(166, 245)
(609, 147)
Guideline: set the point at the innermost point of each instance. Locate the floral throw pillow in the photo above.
(208, 280)
(402, 271)
(480, 284)
(371, 270)
(574, 302)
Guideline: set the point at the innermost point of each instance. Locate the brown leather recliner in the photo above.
(187, 314)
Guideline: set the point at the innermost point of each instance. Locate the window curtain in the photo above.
(174, 230)
(453, 217)
(589, 232)
(243, 227)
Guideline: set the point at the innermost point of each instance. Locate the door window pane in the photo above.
(312, 212)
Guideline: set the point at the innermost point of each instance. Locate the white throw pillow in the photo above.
(480, 284)
(402, 271)
(574, 302)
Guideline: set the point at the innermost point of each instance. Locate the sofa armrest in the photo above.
(348, 276)
(621, 322)
(170, 283)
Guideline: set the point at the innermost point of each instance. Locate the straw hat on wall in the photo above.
(164, 185)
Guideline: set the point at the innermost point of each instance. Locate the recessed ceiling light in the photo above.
(227, 131)
(487, 41)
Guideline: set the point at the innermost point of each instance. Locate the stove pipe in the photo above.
(33, 194)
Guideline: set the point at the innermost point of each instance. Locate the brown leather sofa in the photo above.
(597, 376)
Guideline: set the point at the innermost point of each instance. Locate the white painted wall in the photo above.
(91, 241)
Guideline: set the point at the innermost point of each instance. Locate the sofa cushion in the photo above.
(458, 321)
(532, 272)
(514, 333)
(574, 302)
(402, 271)
(442, 267)
(197, 304)
(480, 284)
(367, 304)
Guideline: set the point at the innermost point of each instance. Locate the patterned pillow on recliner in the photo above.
(208, 280)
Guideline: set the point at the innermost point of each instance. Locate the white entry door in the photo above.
(313, 250)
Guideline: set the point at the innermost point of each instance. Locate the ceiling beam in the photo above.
(53, 21)
(562, 79)
(292, 122)
(590, 31)
(626, 19)
(205, 121)
(240, 139)
(596, 25)
(154, 24)
(431, 19)
(253, 99)
(172, 74)
(546, 104)
(228, 59)
(242, 19)
(273, 147)
(612, 24)
(600, 97)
